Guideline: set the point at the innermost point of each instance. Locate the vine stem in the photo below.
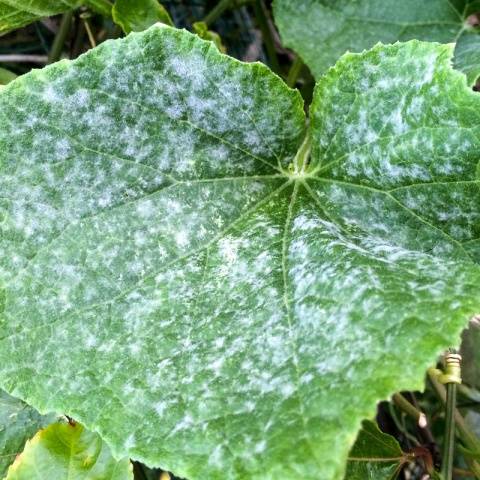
(221, 6)
(467, 436)
(453, 417)
(59, 41)
(449, 440)
(294, 71)
(91, 37)
(300, 162)
(403, 404)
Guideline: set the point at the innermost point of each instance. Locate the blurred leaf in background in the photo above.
(138, 15)
(201, 29)
(17, 13)
(322, 30)
(375, 455)
(6, 76)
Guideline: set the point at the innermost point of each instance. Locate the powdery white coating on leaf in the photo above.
(174, 274)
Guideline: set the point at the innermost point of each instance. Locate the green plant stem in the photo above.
(294, 71)
(401, 426)
(468, 438)
(300, 161)
(403, 404)
(59, 41)
(91, 37)
(449, 440)
(268, 41)
(221, 6)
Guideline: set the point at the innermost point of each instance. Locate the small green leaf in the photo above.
(374, 456)
(201, 29)
(64, 451)
(171, 283)
(138, 15)
(18, 423)
(323, 30)
(6, 76)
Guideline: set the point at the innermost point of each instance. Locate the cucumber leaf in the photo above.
(467, 55)
(138, 15)
(64, 451)
(6, 76)
(16, 13)
(201, 29)
(375, 455)
(180, 276)
(322, 30)
(18, 423)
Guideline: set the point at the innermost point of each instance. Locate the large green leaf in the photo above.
(375, 455)
(322, 30)
(18, 423)
(205, 302)
(68, 452)
(18, 13)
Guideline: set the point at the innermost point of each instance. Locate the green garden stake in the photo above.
(450, 378)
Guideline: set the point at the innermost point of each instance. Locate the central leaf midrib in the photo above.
(290, 318)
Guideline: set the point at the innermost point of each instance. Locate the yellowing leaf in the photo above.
(18, 423)
(64, 451)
